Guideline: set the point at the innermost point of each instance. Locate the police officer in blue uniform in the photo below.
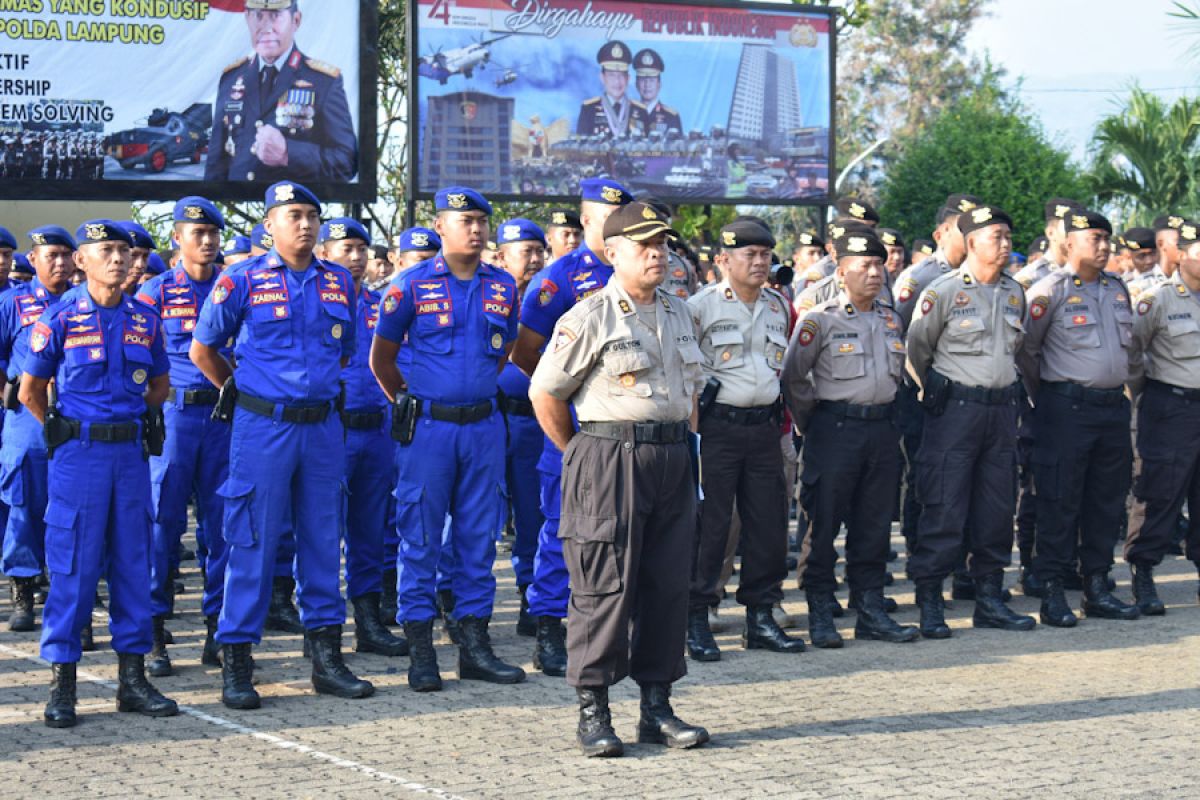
(369, 478)
(279, 113)
(261, 242)
(8, 252)
(564, 283)
(22, 270)
(460, 317)
(520, 251)
(105, 353)
(293, 318)
(195, 459)
(23, 452)
(238, 250)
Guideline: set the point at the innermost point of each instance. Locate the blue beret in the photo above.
(520, 230)
(102, 230)
(155, 265)
(51, 234)
(7, 239)
(21, 264)
(604, 190)
(239, 245)
(340, 228)
(460, 198)
(138, 235)
(260, 238)
(198, 210)
(418, 239)
(288, 193)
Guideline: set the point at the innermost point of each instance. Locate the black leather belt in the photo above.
(301, 414)
(1178, 391)
(194, 397)
(105, 431)
(643, 432)
(856, 411)
(992, 397)
(362, 420)
(461, 415)
(1084, 394)
(736, 415)
(516, 406)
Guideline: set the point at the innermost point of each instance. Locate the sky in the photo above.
(1078, 58)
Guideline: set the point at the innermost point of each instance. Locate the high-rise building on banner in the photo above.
(467, 141)
(766, 97)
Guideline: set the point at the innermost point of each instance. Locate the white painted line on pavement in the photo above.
(269, 738)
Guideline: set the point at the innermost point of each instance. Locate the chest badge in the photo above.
(627, 380)
(497, 341)
(336, 331)
(139, 376)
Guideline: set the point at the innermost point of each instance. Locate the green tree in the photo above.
(1144, 157)
(983, 145)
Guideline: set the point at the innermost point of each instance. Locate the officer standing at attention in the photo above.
(810, 248)
(743, 329)
(139, 254)
(413, 246)
(627, 357)
(369, 462)
(961, 348)
(1055, 254)
(840, 377)
(1075, 361)
(293, 318)
(564, 233)
(564, 284)
(460, 317)
(23, 456)
(1166, 339)
(105, 354)
(195, 458)
(521, 253)
(261, 242)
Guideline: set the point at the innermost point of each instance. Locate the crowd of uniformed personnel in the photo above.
(637, 412)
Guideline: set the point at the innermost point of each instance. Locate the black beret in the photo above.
(1081, 219)
(860, 243)
(745, 233)
(841, 227)
(1039, 245)
(853, 208)
(1168, 222)
(1189, 232)
(961, 204)
(891, 237)
(926, 246)
(1139, 239)
(1059, 207)
(810, 239)
(564, 218)
(982, 217)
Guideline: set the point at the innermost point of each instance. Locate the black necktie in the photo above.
(267, 80)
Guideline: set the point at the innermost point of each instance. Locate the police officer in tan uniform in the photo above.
(627, 358)
(828, 287)
(1055, 254)
(743, 329)
(1166, 339)
(961, 347)
(840, 377)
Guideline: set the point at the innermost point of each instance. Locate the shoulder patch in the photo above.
(927, 301)
(808, 331)
(322, 67)
(235, 64)
(1144, 305)
(1037, 308)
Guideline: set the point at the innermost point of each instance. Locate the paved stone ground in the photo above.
(1108, 709)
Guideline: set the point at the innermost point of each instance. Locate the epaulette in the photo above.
(667, 109)
(322, 67)
(235, 65)
(592, 101)
(636, 104)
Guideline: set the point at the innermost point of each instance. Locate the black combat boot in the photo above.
(1056, 611)
(60, 710)
(330, 675)
(701, 645)
(821, 629)
(763, 632)
(135, 693)
(370, 636)
(41, 588)
(282, 614)
(87, 640)
(22, 599)
(550, 654)
(595, 734)
(659, 725)
(1145, 593)
(1099, 601)
(874, 623)
(889, 605)
(237, 672)
(160, 660)
(446, 604)
(476, 661)
(990, 610)
(933, 610)
(211, 654)
(527, 624)
(388, 599)
(423, 674)
(1031, 584)
(962, 587)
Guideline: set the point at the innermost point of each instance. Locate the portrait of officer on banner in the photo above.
(612, 114)
(278, 112)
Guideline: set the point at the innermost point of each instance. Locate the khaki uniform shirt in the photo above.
(817, 270)
(615, 367)
(968, 331)
(912, 281)
(681, 280)
(1030, 274)
(743, 347)
(842, 354)
(1145, 281)
(828, 288)
(1166, 336)
(1077, 332)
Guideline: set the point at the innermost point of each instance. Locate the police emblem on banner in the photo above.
(296, 108)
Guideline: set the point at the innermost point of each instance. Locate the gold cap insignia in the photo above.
(857, 211)
(337, 230)
(268, 240)
(837, 231)
(981, 215)
(617, 51)
(1079, 222)
(193, 212)
(38, 239)
(1188, 232)
(610, 194)
(1061, 211)
(285, 193)
(95, 232)
(1174, 222)
(456, 200)
(558, 218)
(728, 238)
(806, 238)
(1130, 245)
(648, 213)
(888, 238)
(965, 205)
(856, 244)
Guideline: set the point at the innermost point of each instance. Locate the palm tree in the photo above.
(1144, 157)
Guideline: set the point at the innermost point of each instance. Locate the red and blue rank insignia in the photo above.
(432, 297)
(220, 292)
(497, 298)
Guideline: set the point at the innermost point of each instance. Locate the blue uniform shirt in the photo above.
(19, 310)
(362, 390)
(101, 358)
(178, 299)
(457, 330)
(564, 283)
(291, 329)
